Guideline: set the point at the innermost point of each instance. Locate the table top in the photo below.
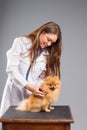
(60, 114)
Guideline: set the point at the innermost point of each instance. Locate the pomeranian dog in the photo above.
(51, 86)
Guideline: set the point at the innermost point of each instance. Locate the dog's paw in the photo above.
(51, 108)
(47, 110)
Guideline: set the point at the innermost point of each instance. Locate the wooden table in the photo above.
(58, 119)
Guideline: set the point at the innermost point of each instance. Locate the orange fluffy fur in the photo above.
(51, 86)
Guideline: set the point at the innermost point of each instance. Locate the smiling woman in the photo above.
(30, 60)
(47, 39)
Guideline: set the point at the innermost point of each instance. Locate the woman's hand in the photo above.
(35, 90)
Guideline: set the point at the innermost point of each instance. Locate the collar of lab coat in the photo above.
(42, 56)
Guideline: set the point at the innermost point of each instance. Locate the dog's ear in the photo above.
(56, 77)
(48, 78)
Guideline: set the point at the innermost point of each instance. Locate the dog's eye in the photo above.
(49, 84)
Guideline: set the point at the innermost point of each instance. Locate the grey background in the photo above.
(18, 17)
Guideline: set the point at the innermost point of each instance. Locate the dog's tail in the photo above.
(22, 105)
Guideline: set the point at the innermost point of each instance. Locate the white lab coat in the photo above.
(17, 65)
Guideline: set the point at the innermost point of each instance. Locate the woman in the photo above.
(31, 58)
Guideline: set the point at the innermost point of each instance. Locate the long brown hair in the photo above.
(53, 59)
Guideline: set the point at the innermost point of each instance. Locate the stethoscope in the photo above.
(27, 74)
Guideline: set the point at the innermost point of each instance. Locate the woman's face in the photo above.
(47, 39)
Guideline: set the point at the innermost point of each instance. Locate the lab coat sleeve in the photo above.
(13, 59)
